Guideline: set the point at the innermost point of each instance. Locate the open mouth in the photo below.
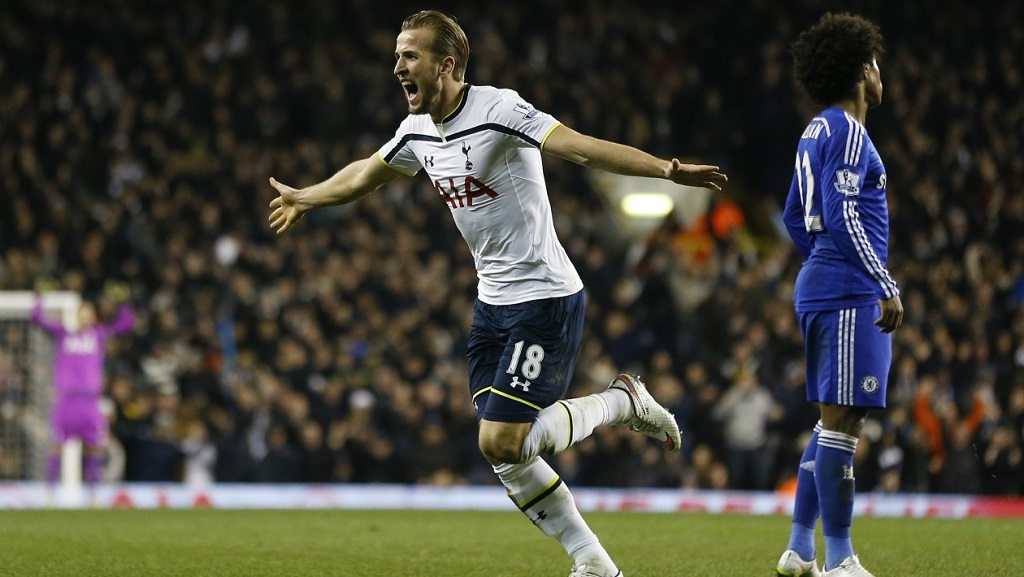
(411, 90)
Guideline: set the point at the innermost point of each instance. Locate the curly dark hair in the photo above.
(828, 58)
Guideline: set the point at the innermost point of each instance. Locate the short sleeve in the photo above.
(396, 152)
(522, 119)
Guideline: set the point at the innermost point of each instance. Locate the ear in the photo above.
(447, 65)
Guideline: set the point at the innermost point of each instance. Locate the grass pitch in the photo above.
(345, 543)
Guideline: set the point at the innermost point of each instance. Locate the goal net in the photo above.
(26, 385)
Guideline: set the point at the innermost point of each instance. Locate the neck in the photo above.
(856, 105)
(451, 96)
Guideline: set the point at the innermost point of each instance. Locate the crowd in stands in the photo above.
(136, 140)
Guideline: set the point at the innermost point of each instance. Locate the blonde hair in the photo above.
(449, 38)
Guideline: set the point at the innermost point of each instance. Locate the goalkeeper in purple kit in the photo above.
(78, 384)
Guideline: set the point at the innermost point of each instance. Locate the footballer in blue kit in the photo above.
(846, 300)
(841, 227)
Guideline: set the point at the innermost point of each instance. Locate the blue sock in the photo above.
(833, 475)
(805, 507)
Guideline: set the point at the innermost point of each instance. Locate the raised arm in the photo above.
(124, 321)
(593, 152)
(39, 317)
(348, 184)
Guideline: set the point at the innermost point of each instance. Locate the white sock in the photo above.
(542, 496)
(568, 422)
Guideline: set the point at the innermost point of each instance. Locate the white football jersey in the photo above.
(484, 160)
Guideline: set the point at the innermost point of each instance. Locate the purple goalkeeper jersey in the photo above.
(78, 362)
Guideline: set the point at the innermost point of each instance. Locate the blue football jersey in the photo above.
(837, 215)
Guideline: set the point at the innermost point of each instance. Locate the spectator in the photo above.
(745, 411)
(128, 154)
(1002, 462)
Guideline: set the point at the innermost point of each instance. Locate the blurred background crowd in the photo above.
(136, 139)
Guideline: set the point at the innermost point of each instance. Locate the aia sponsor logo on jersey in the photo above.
(82, 344)
(461, 194)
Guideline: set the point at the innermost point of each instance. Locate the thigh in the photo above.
(487, 340)
(94, 426)
(79, 419)
(539, 342)
(848, 358)
(61, 423)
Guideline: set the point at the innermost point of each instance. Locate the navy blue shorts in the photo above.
(521, 356)
(848, 357)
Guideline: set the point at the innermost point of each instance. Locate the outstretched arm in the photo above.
(350, 183)
(593, 152)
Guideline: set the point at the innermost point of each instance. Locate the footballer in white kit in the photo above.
(484, 160)
(481, 148)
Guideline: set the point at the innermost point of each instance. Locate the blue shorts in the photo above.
(521, 356)
(848, 357)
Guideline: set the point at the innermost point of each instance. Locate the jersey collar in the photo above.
(462, 104)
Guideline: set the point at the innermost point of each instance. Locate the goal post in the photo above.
(26, 391)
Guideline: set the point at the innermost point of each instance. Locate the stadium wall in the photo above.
(344, 496)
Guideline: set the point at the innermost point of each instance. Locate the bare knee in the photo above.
(843, 419)
(499, 453)
(502, 442)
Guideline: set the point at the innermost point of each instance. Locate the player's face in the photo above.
(419, 70)
(873, 84)
(86, 315)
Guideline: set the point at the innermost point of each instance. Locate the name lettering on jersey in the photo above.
(471, 188)
(84, 344)
(428, 161)
(813, 130)
(881, 182)
(847, 182)
(465, 150)
(526, 110)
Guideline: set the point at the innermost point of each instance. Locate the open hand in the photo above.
(699, 175)
(286, 208)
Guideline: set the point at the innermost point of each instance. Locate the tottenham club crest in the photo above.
(465, 150)
(869, 384)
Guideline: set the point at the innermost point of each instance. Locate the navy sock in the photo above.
(805, 507)
(833, 476)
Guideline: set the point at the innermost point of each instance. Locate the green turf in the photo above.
(342, 543)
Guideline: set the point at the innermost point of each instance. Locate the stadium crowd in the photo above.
(136, 140)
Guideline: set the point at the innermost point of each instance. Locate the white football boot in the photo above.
(593, 568)
(649, 417)
(850, 567)
(792, 565)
